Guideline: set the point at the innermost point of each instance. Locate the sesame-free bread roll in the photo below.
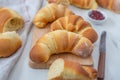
(85, 4)
(10, 20)
(10, 42)
(67, 70)
(60, 41)
(113, 5)
(63, 2)
(50, 13)
(77, 24)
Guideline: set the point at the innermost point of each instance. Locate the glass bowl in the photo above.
(97, 16)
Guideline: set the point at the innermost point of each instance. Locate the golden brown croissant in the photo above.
(113, 5)
(67, 70)
(86, 4)
(50, 13)
(75, 24)
(59, 41)
(10, 42)
(64, 2)
(10, 20)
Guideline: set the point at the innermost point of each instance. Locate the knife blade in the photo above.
(102, 51)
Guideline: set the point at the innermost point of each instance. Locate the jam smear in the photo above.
(96, 15)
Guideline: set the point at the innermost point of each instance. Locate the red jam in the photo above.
(96, 15)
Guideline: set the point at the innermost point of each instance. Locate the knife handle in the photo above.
(101, 67)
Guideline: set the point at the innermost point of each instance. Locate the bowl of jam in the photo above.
(97, 16)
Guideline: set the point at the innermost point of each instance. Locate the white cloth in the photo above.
(27, 9)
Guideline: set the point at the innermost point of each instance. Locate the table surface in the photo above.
(22, 71)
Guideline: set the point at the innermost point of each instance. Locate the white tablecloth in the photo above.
(22, 71)
(26, 9)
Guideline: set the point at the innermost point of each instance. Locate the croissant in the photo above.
(75, 24)
(86, 4)
(67, 70)
(113, 5)
(10, 42)
(59, 41)
(63, 2)
(10, 20)
(50, 13)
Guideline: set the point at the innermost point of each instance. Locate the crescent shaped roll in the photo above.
(50, 13)
(10, 20)
(60, 41)
(77, 24)
(85, 4)
(113, 5)
(10, 42)
(62, 69)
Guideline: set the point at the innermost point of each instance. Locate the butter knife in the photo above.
(102, 51)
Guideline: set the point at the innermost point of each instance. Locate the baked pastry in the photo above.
(67, 70)
(85, 4)
(113, 5)
(63, 2)
(10, 42)
(59, 41)
(75, 24)
(50, 13)
(10, 20)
